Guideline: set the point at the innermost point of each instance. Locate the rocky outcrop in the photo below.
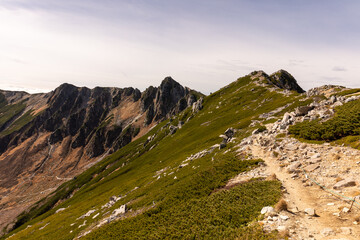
(280, 79)
(167, 100)
(285, 80)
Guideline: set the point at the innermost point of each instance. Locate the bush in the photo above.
(346, 122)
(261, 129)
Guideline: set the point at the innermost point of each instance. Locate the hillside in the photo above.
(210, 171)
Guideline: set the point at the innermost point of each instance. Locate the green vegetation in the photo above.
(347, 92)
(166, 200)
(9, 112)
(19, 123)
(222, 215)
(261, 129)
(3, 101)
(346, 122)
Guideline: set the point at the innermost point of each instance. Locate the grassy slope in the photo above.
(8, 112)
(342, 128)
(188, 197)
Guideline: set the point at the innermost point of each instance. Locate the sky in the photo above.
(202, 44)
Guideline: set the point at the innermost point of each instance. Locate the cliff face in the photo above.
(46, 139)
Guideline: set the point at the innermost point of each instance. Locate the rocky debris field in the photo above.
(320, 181)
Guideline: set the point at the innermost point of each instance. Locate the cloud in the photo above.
(203, 44)
(339, 69)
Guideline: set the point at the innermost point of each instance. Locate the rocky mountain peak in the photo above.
(285, 80)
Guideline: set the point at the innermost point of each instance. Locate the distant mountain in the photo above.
(46, 139)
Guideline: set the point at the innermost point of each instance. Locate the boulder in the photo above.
(293, 167)
(344, 183)
(229, 132)
(303, 110)
(312, 167)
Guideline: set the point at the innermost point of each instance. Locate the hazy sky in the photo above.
(203, 44)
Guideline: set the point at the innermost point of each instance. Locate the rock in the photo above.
(293, 167)
(346, 230)
(115, 198)
(173, 129)
(327, 232)
(313, 161)
(281, 228)
(310, 211)
(222, 145)
(119, 211)
(224, 137)
(303, 110)
(338, 103)
(60, 210)
(312, 167)
(197, 106)
(332, 99)
(345, 210)
(285, 80)
(229, 132)
(315, 156)
(267, 209)
(353, 98)
(344, 183)
(284, 217)
(82, 225)
(183, 165)
(87, 214)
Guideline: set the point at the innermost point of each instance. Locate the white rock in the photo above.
(346, 210)
(119, 211)
(60, 210)
(284, 217)
(87, 214)
(267, 209)
(82, 225)
(281, 228)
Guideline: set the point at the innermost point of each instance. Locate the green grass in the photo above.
(19, 123)
(222, 215)
(168, 202)
(347, 92)
(9, 112)
(346, 122)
